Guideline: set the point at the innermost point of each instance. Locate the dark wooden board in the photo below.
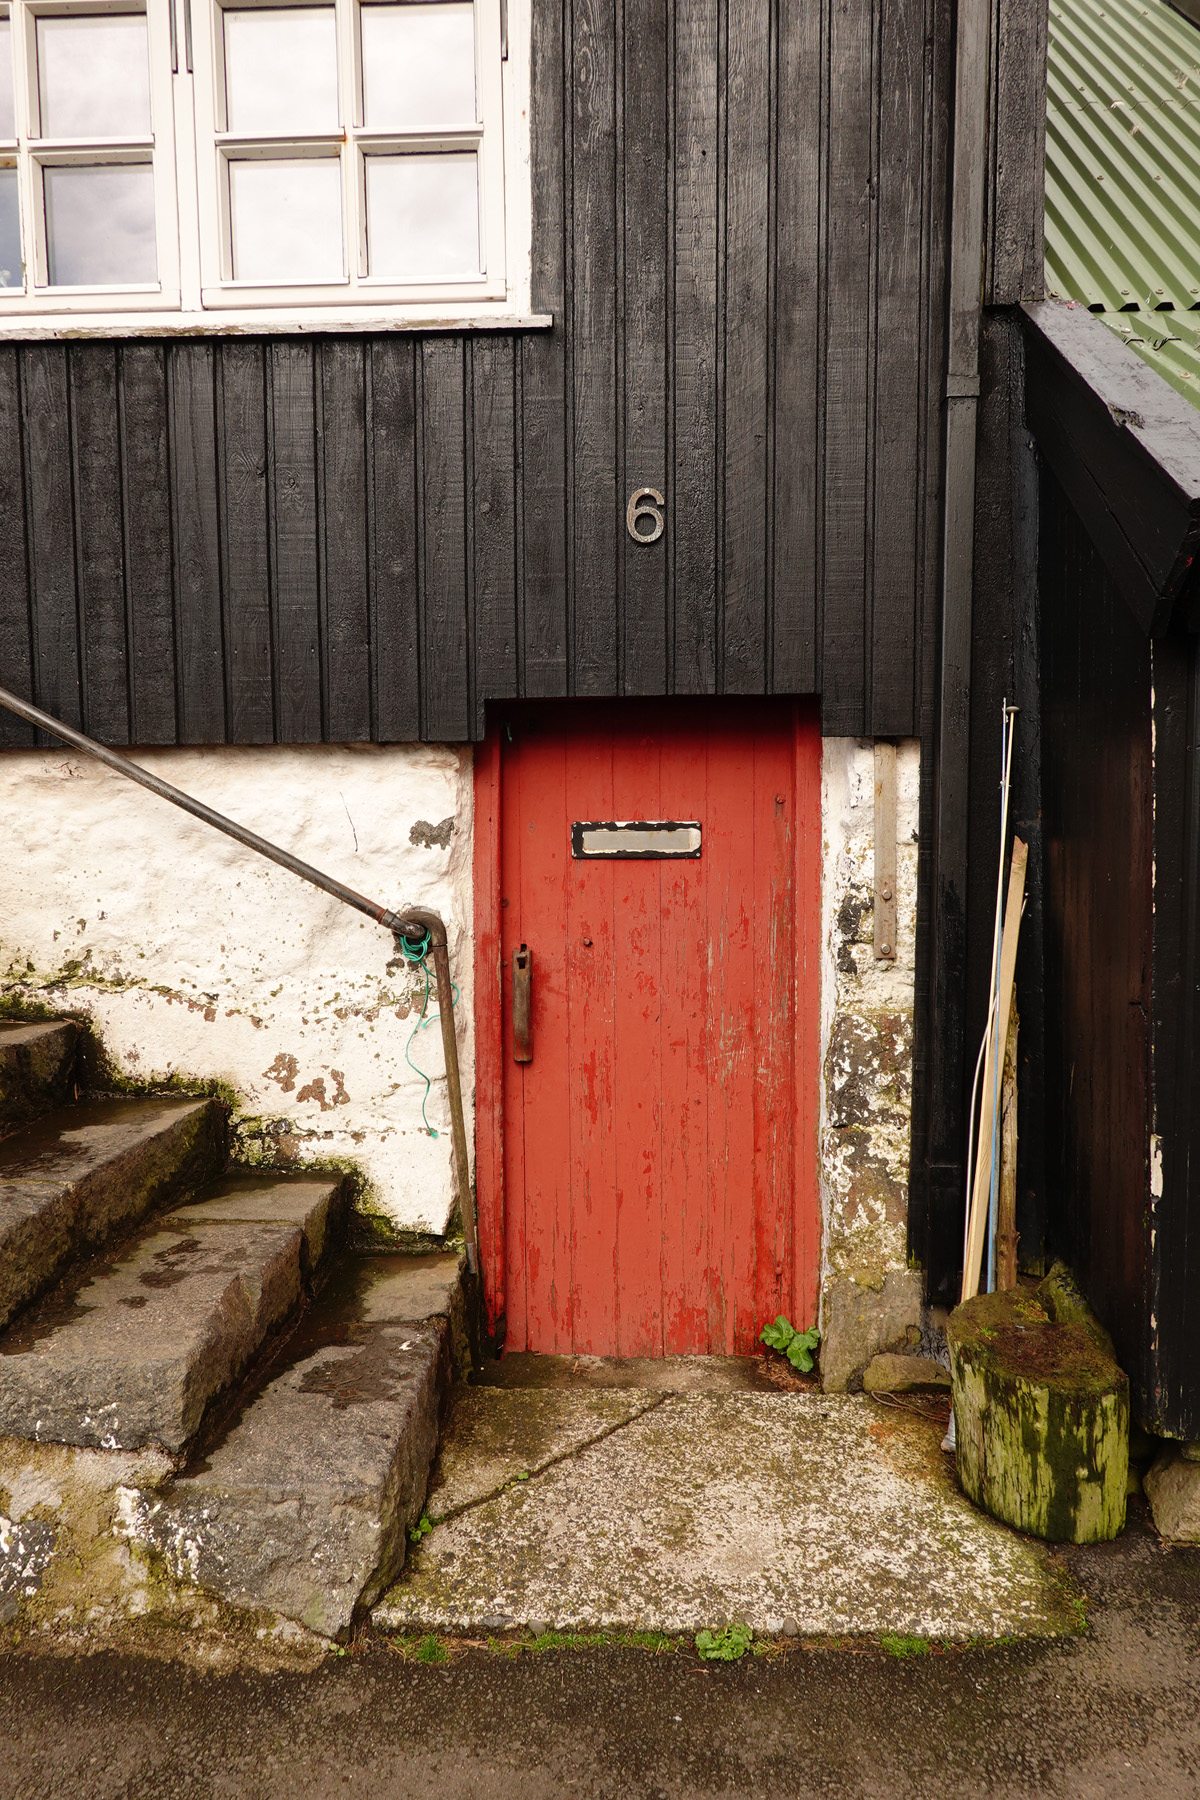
(99, 549)
(50, 527)
(393, 539)
(199, 672)
(345, 574)
(15, 622)
(149, 558)
(246, 563)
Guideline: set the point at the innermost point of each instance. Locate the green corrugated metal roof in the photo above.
(1123, 175)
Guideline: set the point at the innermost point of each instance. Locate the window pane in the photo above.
(423, 216)
(281, 71)
(287, 220)
(8, 123)
(10, 231)
(93, 76)
(418, 66)
(100, 225)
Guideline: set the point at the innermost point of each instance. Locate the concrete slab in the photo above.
(303, 1508)
(35, 1068)
(71, 1179)
(268, 1199)
(494, 1436)
(817, 1515)
(136, 1355)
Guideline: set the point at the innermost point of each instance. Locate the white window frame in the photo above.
(35, 153)
(195, 292)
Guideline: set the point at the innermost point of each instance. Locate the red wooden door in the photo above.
(650, 1187)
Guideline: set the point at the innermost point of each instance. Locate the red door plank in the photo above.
(592, 1000)
(637, 1050)
(489, 1048)
(686, 1058)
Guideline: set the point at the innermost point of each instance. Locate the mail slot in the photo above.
(635, 838)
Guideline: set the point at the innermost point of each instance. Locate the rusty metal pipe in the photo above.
(412, 924)
(430, 922)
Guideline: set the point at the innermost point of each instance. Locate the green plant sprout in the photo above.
(727, 1645)
(421, 1529)
(797, 1346)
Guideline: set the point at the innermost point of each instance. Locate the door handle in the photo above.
(523, 1004)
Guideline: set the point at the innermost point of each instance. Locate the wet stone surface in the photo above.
(73, 1178)
(136, 1354)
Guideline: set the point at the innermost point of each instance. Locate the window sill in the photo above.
(259, 322)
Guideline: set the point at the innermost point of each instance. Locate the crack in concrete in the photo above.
(551, 1462)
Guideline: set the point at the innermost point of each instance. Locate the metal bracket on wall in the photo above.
(885, 852)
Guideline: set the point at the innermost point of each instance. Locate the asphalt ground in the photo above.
(1115, 1711)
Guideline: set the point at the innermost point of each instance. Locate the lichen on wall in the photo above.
(870, 1299)
(193, 957)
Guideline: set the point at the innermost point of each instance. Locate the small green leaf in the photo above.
(799, 1351)
(423, 1526)
(779, 1335)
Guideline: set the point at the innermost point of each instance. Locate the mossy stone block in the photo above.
(1041, 1413)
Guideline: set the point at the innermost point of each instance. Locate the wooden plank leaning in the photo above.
(997, 1036)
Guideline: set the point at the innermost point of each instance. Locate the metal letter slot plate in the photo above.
(643, 838)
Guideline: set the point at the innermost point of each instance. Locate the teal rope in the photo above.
(416, 954)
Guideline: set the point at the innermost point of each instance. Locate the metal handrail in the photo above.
(413, 924)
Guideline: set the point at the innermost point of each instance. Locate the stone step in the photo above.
(303, 1508)
(36, 1064)
(85, 1173)
(134, 1352)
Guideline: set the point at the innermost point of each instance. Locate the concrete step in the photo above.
(135, 1351)
(85, 1173)
(303, 1508)
(36, 1064)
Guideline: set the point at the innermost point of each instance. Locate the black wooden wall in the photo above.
(737, 229)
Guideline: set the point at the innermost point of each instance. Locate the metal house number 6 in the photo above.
(644, 503)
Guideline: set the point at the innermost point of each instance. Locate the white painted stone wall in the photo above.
(195, 957)
(869, 1297)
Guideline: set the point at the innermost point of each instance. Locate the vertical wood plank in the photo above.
(345, 638)
(489, 1041)
(494, 588)
(394, 539)
(895, 486)
(594, 947)
(146, 520)
(596, 515)
(546, 477)
(729, 866)
(445, 695)
(51, 526)
(798, 149)
(636, 1050)
(199, 673)
(242, 405)
(692, 496)
(99, 549)
(686, 1047)
(745, 465)
(848, 343)
(644, 220)
(293, 501)
(16, 631)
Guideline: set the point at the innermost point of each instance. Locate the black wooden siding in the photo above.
(738, 232)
